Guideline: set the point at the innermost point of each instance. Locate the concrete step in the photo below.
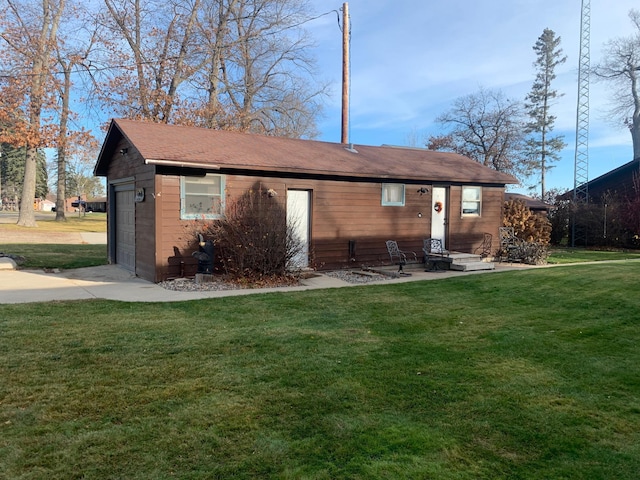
(464, 257)
(472, 266)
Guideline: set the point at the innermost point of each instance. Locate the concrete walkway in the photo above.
(114, 283)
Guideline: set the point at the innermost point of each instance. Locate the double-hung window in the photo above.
(202, 197)
(471, 201)
(393, 194)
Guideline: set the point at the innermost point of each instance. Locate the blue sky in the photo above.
(410, 59)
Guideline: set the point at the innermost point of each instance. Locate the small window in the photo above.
(202, 197)
(393, 194)
(471, 201)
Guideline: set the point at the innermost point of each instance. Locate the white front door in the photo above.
(298, 219)
(439, 214)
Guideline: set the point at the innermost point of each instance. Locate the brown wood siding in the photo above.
(341, 212)
(132, 166)
(466, 233)
(174, 248)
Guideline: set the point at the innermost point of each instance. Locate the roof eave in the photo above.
(174, 163)
(326, 173)
(99, 170)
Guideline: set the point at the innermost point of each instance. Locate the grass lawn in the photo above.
(527, 374)
(91, 222)
(64, 256)
(57, 255)
(83, 255)
(581, 255)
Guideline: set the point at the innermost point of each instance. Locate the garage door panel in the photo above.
(125, 228)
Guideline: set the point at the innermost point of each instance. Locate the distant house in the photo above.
(46, 205)
(535, 205)
(83, 204)
(97, 204)
(163, 178)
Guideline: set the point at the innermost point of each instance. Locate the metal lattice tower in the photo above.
(581, 172)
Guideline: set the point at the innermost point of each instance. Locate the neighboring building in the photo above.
(533, 204)
(98, 204)
(163, 179)
(46, 205)
(619, 183)
(82, 204)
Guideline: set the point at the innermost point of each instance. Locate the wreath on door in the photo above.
(437, 207)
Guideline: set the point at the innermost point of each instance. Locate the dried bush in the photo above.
(527, 226)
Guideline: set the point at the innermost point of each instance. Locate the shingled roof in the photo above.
(174, 145)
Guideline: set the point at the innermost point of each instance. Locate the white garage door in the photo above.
(125, 227)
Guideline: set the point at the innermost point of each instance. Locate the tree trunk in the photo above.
(26, 216)
(635, 136)
(61, 194)
(62, 143)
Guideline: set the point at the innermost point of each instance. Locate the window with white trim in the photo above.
(202, 197)
(393, 194)
(471, 201)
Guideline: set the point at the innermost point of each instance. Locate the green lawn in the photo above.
(581, 255)
(77, 256)
(527, 374)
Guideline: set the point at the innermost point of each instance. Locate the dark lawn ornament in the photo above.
(204, 255)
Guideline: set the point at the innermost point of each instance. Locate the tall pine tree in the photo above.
(541, 145)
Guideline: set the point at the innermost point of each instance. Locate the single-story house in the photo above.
(46, 205)
(161, 179)
(82, 203)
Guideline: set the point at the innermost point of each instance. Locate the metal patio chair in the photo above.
(510, 245)
(484, 250)
(400, 257)
(434, 252)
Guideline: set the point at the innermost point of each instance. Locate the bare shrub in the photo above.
(560, 218)
(253, 240)
(630, 212)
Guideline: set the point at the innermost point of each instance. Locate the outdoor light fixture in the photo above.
(124, 151)
(422, 190)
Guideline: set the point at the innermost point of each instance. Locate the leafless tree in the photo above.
(621, 68)
(70, 55)
(488, 128)
(146, 52)
(229, 64)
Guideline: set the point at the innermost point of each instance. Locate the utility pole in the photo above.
(346, 33)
